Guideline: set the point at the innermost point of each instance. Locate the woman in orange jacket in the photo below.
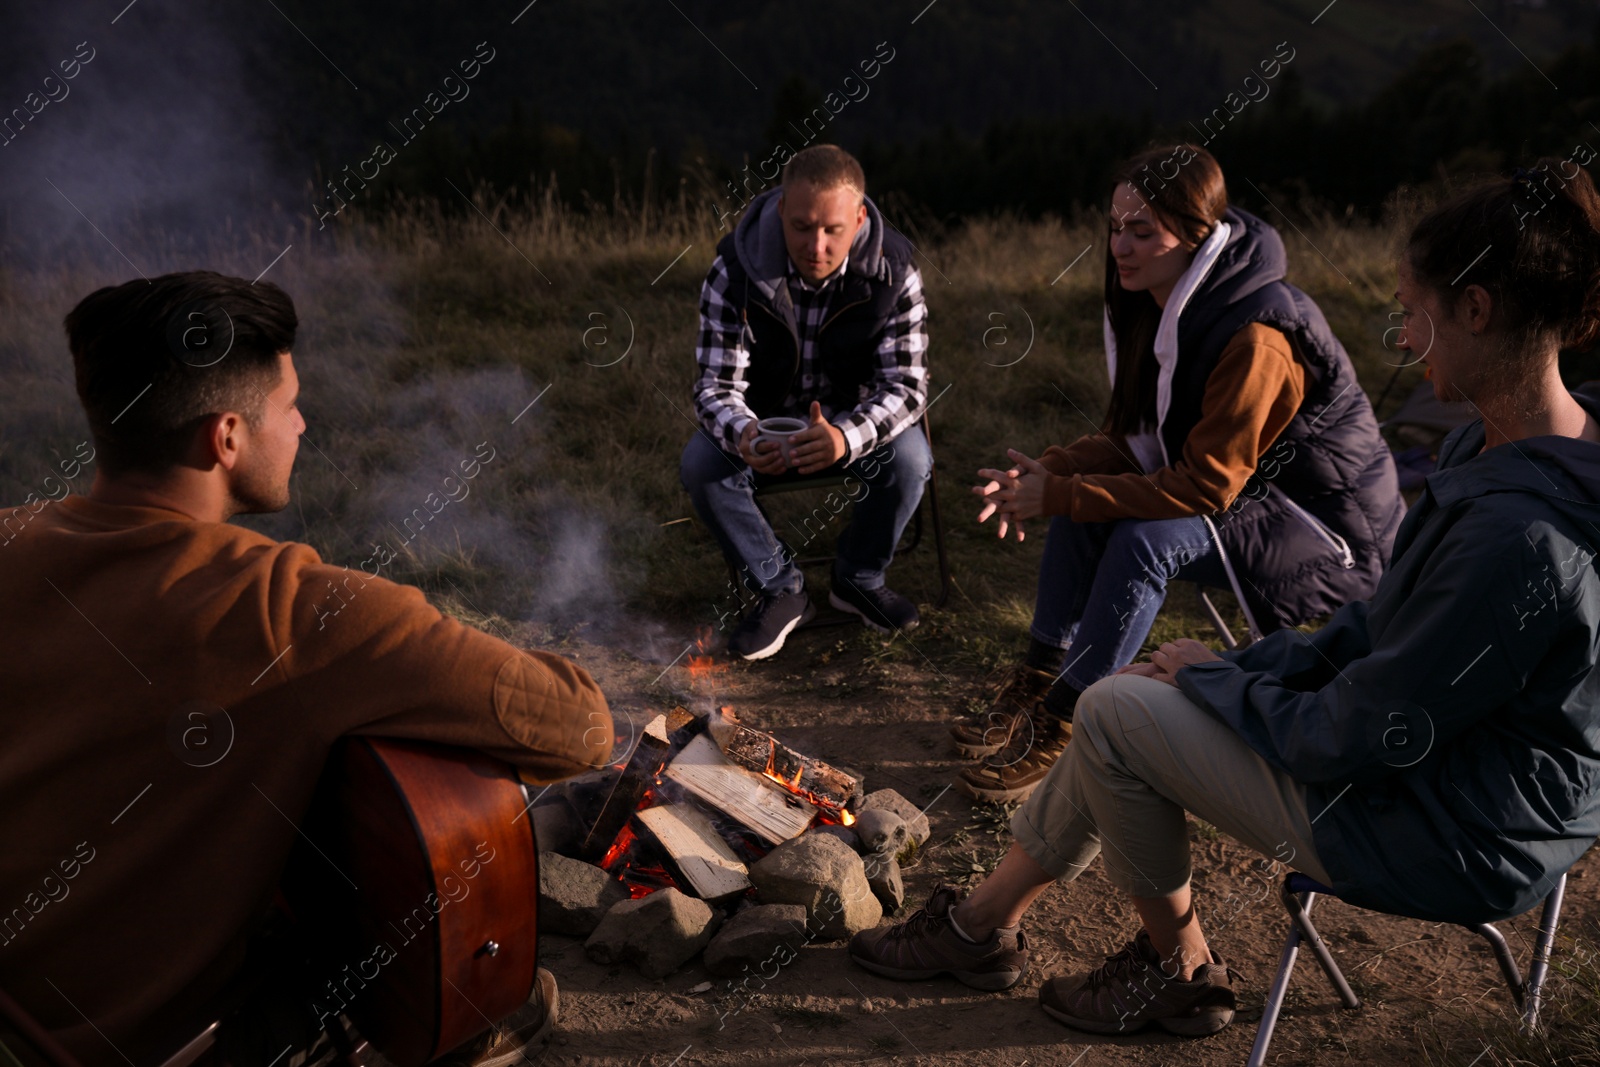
(1238, 451)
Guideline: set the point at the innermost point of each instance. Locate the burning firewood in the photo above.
(824, 785)
(643, 766)
(701, 856)
(771, 812)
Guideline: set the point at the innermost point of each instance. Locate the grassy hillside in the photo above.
(426, 337)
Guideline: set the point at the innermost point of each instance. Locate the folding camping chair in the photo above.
(1299, 892)
(835, 478)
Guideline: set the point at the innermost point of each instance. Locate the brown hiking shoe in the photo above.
(926, 945)
(1130, 990)
(990, 731)
(508, 1041)
(1012, 774)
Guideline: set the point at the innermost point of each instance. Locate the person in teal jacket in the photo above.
(1433, 752)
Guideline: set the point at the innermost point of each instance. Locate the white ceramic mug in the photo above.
(778, 430)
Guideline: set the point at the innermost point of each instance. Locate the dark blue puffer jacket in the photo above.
(1313, 528)
(1448, 731)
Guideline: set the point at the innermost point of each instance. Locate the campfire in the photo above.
(701, 797)
(718, 840)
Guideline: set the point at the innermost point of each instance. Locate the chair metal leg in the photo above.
(1502, 956)
(1300, 912)
(1301, 929)
(1539, 967)
(1275, 997)
(1228, 640)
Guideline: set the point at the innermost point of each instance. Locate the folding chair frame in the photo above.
(1299, 892)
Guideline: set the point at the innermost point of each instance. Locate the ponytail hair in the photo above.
(1184, 187)
(1532, 241)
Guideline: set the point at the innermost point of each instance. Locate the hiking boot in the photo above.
(1011, 774)
(882, 608)
(507, 1041)
(990, 731)
(763, 631)
(1130, 990)
(927, 945)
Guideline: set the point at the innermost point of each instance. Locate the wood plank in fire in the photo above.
(765, 808)
(696, 849)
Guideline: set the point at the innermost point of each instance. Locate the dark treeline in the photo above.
(1440, 120)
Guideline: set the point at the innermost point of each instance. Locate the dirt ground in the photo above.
(1432, 994)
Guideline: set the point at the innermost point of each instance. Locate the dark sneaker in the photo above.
(882, 609)
(926, 945)
(991, 731)
(763, 631)
(1130, 990)
(507, 1042)
(1011, 774)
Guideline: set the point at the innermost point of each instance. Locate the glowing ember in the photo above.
(637, 861)
(618, 847)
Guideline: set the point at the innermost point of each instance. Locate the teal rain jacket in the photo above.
(1448, 730)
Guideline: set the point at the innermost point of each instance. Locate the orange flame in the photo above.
(618, 847)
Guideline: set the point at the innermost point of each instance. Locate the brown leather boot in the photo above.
(990, 731)
(1007, 781)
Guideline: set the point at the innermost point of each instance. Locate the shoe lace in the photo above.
(921, 921)
(1118, 967)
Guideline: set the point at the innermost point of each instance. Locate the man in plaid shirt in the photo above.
(812, 309)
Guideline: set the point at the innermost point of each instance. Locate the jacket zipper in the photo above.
(1331, 539)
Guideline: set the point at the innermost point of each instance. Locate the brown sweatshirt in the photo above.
(1251, 395)
(143, 841)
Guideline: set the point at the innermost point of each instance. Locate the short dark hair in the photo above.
(154, 358)
(827, 166)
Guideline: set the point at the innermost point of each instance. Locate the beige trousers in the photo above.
(1141, 755)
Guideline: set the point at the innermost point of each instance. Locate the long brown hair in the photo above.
(1188, 203)
(1533, 242)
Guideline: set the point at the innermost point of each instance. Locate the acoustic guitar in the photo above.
(418, 879)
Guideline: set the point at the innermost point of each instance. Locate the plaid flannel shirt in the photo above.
(901, 382)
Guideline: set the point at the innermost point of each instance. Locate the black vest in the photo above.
(847, 343)
(1330, 464)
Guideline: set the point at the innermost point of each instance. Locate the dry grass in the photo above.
(424, 335)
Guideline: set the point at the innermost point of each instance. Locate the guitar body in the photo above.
(421, 893)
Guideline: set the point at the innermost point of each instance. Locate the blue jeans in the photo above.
(1102, 583)
(885, 486)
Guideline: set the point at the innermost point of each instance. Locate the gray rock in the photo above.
(764, 937)
(556, 827)
(881, 830)
(883, 875)
(658, 933)
(843, 833)
(889, 800)
(822, 873)
(574, 896)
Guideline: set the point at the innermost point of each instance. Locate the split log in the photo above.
(767, 809)
(764, 753)
(643, 766)
(694, 847)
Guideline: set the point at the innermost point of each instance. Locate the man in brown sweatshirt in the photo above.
(174, 682)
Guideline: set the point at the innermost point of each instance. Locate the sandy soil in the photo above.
(1432, 993)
